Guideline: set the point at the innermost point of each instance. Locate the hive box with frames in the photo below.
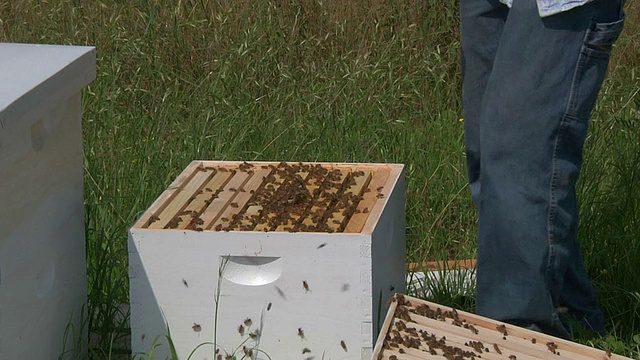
(42, 245)
(419, 329)
(300, 257)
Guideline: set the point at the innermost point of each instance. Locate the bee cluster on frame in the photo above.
(418, 329)
(292, 197)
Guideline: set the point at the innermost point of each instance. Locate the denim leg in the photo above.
(482, 22)
(528, 125)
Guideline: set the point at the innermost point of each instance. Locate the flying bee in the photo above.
(186, 284)
(301, 333)
(305, 286)
(269, 307)
(497, 349)
(322, 245)
(247, 322)
(380, 196)
(196, 327)
(343, 345)
(608, 352)
(241, 330)
(247, 352)
(306, 350)
(281, 293)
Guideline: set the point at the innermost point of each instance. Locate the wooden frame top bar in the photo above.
(419, 329)
(273, 196)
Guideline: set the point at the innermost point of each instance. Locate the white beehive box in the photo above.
(309, 252)
(42, 245)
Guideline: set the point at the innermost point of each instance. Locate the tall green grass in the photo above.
(346, 81)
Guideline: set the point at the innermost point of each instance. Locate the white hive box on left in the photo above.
(42, 248)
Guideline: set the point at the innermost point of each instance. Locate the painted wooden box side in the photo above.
(389, 249)
(180, 291)
(42, 249)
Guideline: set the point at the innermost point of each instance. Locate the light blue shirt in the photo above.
(551, 7)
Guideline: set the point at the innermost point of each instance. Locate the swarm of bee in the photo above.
(293, 197)
(244, 329)
(413, 331)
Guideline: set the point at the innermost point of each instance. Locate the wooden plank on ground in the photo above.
(466, 264)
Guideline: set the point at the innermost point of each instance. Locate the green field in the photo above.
(322, 80)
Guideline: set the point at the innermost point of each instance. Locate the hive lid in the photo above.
(31, 73)
(418, 329)
(272, 196)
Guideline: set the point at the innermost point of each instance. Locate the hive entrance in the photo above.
(294, 197)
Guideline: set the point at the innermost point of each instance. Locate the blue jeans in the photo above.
(529, 86)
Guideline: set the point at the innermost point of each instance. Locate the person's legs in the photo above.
(481, 25)
(575, 289)
(527, 122)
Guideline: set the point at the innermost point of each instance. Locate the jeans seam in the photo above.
(571, 108)
(551, 216)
